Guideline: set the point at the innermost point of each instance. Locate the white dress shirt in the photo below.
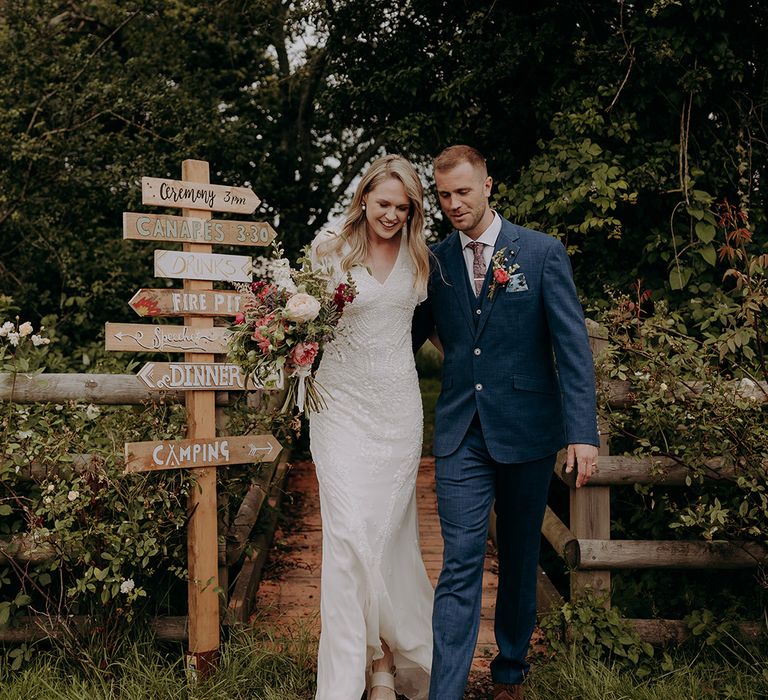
(488, 237)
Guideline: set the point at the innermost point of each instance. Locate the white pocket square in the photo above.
(517, 283)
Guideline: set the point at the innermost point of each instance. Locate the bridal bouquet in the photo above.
(286, 317)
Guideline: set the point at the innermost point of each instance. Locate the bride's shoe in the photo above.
(382, 679)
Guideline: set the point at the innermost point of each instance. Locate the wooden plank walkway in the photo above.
(290, 591)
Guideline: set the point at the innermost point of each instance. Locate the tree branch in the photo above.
(354, 168)
(76, 77)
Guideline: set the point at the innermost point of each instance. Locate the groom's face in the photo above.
(463, 191)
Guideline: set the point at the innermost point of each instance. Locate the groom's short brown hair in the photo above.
(453, 155)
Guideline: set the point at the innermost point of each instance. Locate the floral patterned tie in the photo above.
(479, 268)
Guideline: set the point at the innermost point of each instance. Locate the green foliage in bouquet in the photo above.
(287, 317)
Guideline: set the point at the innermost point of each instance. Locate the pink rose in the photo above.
(303, 354)
(240, 318)
(501, 276)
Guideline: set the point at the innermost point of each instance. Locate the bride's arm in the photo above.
(324, 256)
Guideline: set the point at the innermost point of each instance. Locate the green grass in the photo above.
(254, 666)
(708, 675)
(265, 665)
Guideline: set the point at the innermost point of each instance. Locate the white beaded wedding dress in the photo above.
(366, 446)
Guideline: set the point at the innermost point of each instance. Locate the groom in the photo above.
(518, 385)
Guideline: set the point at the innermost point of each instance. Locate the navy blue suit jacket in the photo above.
(520, 360)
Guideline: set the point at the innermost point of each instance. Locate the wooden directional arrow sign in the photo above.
(212, 452)
(194, 195)
(179, 302)
(202, 266)
(198, 376)
(140, 337)
(181, 229)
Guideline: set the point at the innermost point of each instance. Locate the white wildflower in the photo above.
(25, 329)
(14, 339)
(73, 495)
(127, 586)
(39, 340)
(281, 273)
(47, 500)
(92, 411)
(51, 488)
(24, 434)
(17, 469)
(6, 328)
(260, 266)
(663, 386)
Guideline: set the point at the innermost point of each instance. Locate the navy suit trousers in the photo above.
(468, 481)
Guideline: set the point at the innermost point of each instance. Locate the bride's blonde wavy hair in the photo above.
(354, 231)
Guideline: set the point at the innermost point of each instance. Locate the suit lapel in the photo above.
(507, 239)
(456, 270)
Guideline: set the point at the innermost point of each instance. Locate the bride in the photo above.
(375, 598)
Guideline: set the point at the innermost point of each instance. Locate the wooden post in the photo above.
(590, 506)
(199, 374)
(202, 528)
(222, 522)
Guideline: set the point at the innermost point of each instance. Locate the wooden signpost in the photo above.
(197, 195)
(139, 337)
(189, 454)
(185, 229)
(202, 266)
(197, 303)
(181, 302)
(200, 376)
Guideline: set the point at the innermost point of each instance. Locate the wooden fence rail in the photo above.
(586, 546)
(103, 389)
(234, 533)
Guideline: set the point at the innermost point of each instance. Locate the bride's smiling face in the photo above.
(386, 208)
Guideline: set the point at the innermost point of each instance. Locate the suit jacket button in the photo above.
(479, 311)
(479, 387)
(477, 351)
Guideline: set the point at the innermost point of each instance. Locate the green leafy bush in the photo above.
(601, 633)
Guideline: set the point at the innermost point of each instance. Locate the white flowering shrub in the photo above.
(89, 539)
(696, 402)
(21, 349)
(86, 539)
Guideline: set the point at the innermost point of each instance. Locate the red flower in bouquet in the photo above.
(343, 296)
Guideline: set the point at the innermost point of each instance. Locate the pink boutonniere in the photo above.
(501, 272)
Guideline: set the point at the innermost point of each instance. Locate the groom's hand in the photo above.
(585, 458)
